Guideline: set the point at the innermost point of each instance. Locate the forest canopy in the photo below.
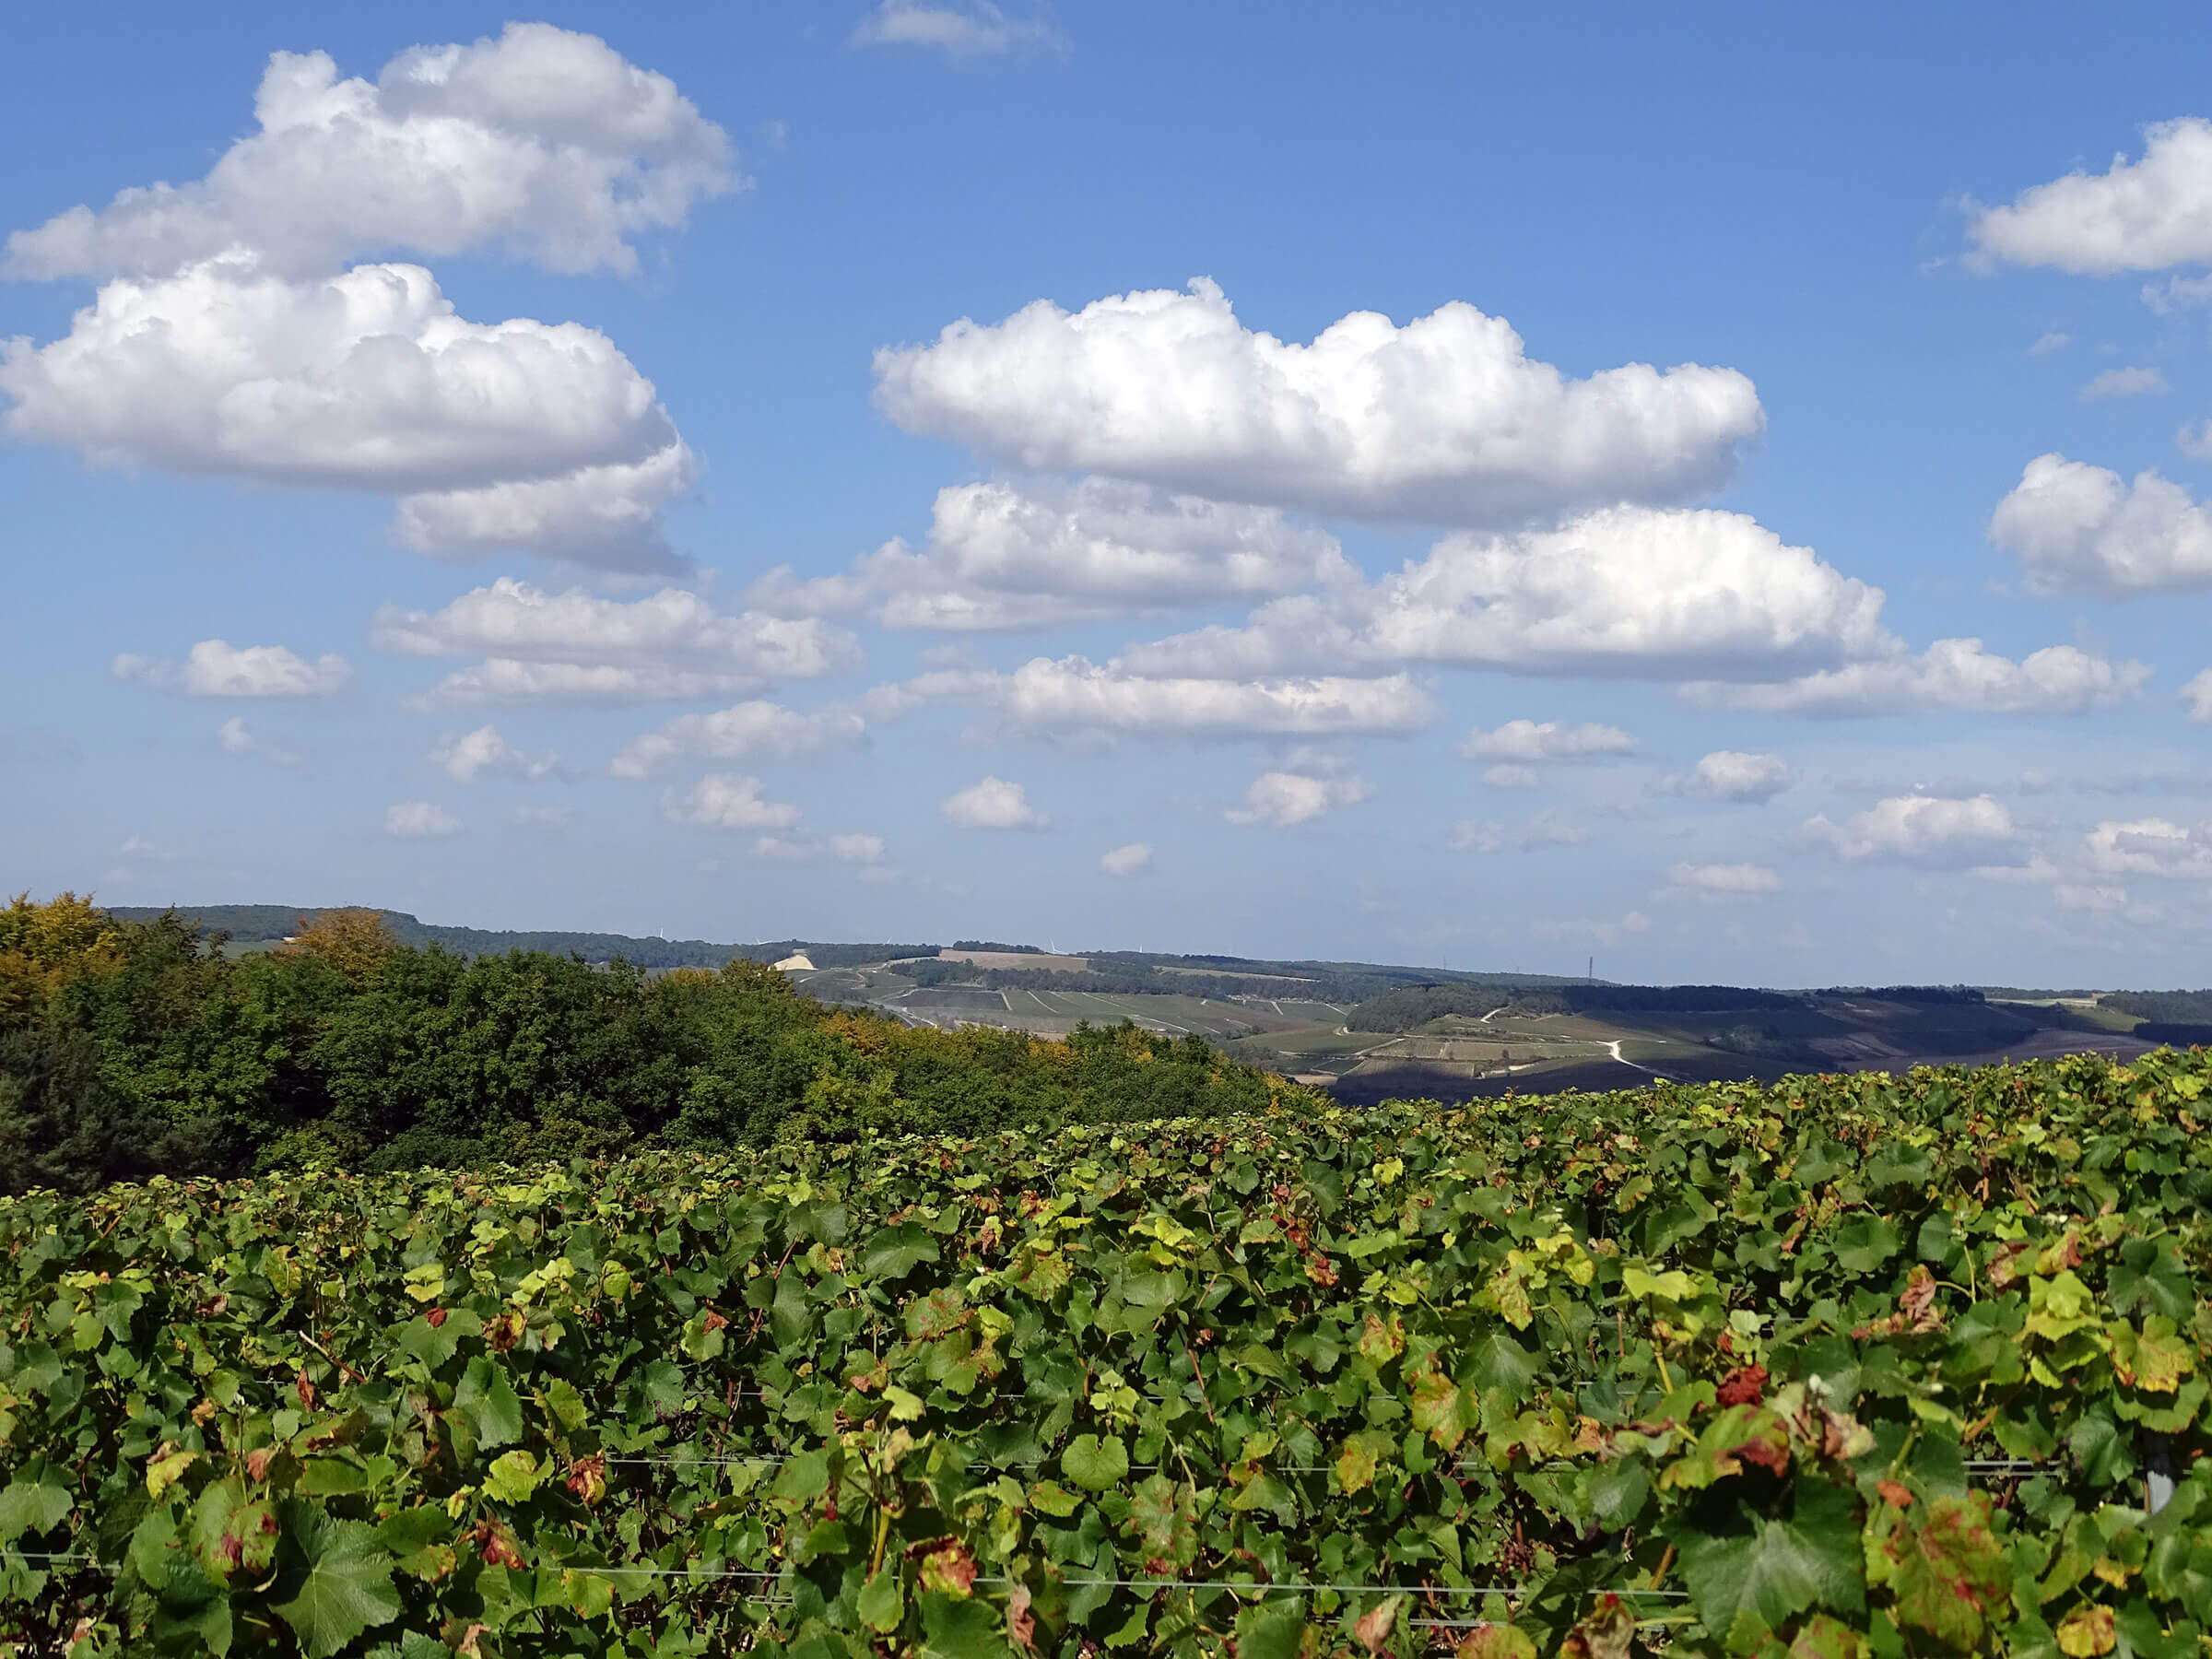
(134, 1048)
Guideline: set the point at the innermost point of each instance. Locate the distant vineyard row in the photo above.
(1843, 1366)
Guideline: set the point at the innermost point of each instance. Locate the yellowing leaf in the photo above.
(2087, 1632)
(1356, 1467)
(514, 1476)
(166, 1467)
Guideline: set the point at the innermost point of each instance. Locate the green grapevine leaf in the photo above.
(896, 1251)
(345, 1588)
(1094, 1462)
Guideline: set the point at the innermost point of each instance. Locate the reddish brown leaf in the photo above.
(1746, 1385)
(587, 1478)
(2004, 1266)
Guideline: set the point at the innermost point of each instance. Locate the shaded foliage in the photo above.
(139, 1047)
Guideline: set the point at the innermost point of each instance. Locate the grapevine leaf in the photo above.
(1094, 1462)
(31, 1506)
(1497, 1361)
(1774, 1568)
(897, 1251)
(1496, 1641)
(489, 1403)
(2087, 1632)
(881, 1602)
(513, 1477)
(960, 1627)
(1164, 1519)
(1950, 1573)
(1864, 1243)
(347, 1586)
(1264, 1634)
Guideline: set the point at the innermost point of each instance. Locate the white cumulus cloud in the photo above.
(2124, 383)
(576, 646)
(236, 738)
(1444, 420)
(2137, 216)
(1530, 742)
(1951, 674)
(857, 849)
(1283, 798)
(217, 668)
(1127, 859)
(1729, 880)
(542, 142)
(2197, 694)
(2151, 846)
(484, 752)
(977, 28)
(992, 804)
(1072, 696)
(720, 801)
(1732, 775)
(1623, 591)
(2082, 528)
(362, 379)
(1002, 556)
(419, 820)
(748, 731)
(232, 337)
(1935, 829)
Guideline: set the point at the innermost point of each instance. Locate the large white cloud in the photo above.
(577, 646)
(1917, 828)
(608, 516)
(2137, 216)
(1002, 557)
(217, 668)
(2084, 528)
(1444, 420)
(229, 337)
(1952, 675)
(365, 380)
(542, 142)
(1622, 590)
(748, 731)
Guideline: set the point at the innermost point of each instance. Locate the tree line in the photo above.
(134, 1048)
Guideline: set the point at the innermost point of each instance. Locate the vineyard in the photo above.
(1841, 1366)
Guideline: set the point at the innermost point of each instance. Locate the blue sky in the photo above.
(1439, 487)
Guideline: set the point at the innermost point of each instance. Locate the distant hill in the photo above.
(268, 924)
(1128, 970)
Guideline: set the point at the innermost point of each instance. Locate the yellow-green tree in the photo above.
(41, 945)
(351, 939)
